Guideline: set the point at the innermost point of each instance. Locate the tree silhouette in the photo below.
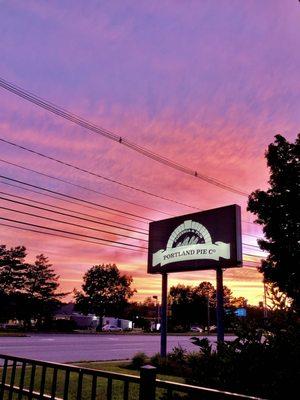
(278, 211)
(104, 290)
(40, 288)
(12, 269)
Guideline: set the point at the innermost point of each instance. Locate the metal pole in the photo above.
(265, 301)
(220, 308)
(208, 316)
(164, 306)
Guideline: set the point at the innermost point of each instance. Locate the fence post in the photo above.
(147, 383)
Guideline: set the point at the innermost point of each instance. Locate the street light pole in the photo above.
(265, 300)
(157, 311)
(208, 316)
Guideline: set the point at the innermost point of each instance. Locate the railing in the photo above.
(32, 379)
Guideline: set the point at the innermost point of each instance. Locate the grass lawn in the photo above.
(117, 386)
(12, 334)
(121, 368)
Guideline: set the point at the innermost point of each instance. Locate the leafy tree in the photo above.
(278, 211)
(104, 290)
(206, 289)
(278, 301)
(181, 299)
(239, 302)
(189, 304)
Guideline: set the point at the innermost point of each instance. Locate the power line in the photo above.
(82, 187)
(65, 209)
(69, 215)
(65, 237)
(77, 204)
(112, 136)
(254, 255)
(76, 198)
(64, 195)
(83, 240)
(249, 234)
(251, 245)
(48, 190)
(73, 224)
(95, 174)
(95, 191)
(75, 234)
(81, 226)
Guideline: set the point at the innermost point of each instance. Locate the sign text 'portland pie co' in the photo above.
(199, 241)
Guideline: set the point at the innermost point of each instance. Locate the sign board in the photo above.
(198, 241)
(241, 312)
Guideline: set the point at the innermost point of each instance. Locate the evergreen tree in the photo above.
(40, 290)
(12, 269)
(278, 211)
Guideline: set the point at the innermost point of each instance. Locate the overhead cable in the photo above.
(91, 127)
(89, 172)
(126, 214)
(112, 242)
(82, 187)
(95, 174)
(67, 237)
(72, 224)
(82, 204)
(64, 209)
(69, 215)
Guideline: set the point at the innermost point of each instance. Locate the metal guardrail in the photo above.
(33, 379)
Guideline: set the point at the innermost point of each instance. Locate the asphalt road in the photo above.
(83, 347)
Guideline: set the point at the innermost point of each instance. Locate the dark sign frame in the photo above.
(199, 241)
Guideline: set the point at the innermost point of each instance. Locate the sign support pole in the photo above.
(220, 306)
(164, 307)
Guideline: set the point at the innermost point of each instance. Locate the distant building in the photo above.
(89, 321)
(125, 324)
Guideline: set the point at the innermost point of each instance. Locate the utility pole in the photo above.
(208, 316)
(265, 300)
(157, 311)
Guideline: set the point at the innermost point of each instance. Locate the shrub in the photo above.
(161, 363)
(254, 364)
(138, 360)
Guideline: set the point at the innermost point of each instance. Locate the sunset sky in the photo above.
(205, 83)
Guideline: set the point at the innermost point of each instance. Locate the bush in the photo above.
(261, 361)
(161, 363)
(138, 360)
(178, 329)
(256, 363)
(62, 325)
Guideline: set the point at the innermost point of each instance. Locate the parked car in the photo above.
(111, 328)
(196, 329)
(213, 328)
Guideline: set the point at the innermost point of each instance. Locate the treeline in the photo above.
(29, 293)
(196, 305)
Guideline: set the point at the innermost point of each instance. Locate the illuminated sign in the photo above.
(202, 240)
